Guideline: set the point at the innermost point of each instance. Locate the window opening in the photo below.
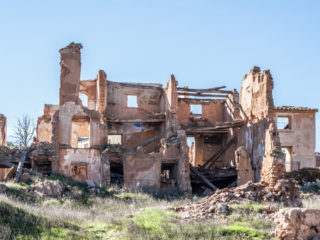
(84, 99)
(114, 139)
(132, 101)
(190, 141)
(284, 122)
(196, 109)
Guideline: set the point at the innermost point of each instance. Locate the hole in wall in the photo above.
(83, 142)
(84, 99)
(115, 139)
(190, 140)
(79, 172)
(116, 173)
(168, 175)
(196, 109)
(80, 132)
(132, 101)
(283, 122)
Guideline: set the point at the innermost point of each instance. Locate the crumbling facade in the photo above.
(174, 138)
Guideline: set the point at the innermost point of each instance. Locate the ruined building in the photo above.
(137, 134)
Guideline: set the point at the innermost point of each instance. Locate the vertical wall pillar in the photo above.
(172, 103)
(70, 62)
(172, 94)
(101, 91)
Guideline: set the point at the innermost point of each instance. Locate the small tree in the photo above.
(24, 131)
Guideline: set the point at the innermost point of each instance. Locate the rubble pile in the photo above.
(49, 188)
(285, 191)
(297, 223)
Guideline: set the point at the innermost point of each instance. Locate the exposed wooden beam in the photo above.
(156, 137)
(200, 94)
(203, 178)
(9, 165)
(216, 156)
(208, 90)
(136, 120)
(200, 100)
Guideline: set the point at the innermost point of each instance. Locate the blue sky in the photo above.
(204, 43)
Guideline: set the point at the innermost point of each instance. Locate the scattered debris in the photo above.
(285, 191)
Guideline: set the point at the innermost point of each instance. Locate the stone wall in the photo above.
(243, 164)
(142, 171)
(273, 161)
(87, 161)
(212, 112)
(150, 101)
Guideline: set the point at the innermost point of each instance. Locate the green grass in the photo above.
(248, 208)
(17, 223)
(125, 196)
(245, 231)
(19, 192)
(161, 224)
